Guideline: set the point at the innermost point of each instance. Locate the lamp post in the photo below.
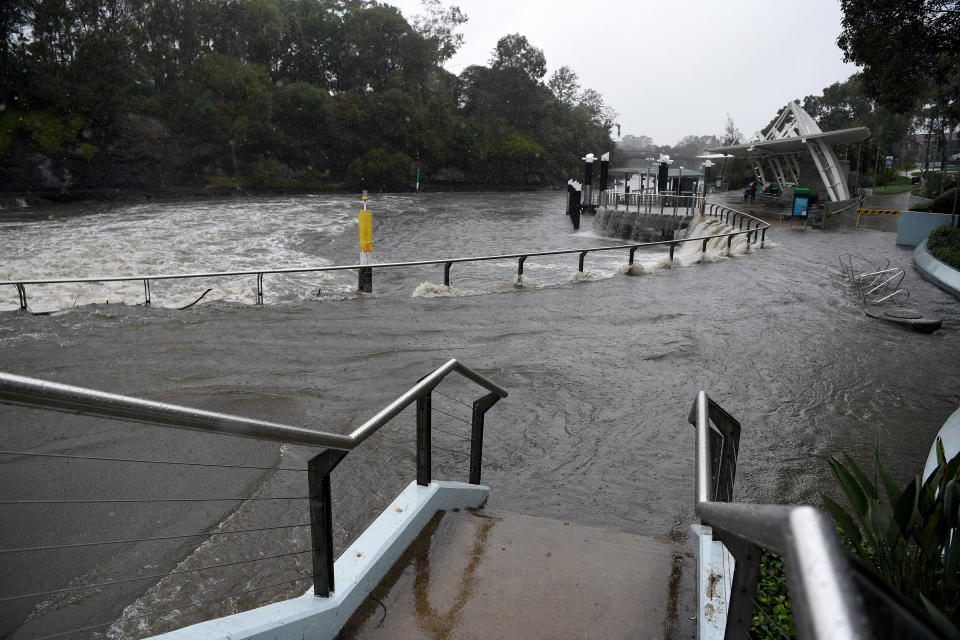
(677, 191)
(646, 181)
(707, 165)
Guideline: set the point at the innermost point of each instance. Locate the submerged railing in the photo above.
(833, 596)
(40, 394)
(756, 229)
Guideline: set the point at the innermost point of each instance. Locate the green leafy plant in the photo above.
(940, 204)
(908, 536)
(944, 244)
(772, 613)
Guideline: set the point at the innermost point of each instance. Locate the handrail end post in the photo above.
(321, 519)
(480, 408)
(424, 411)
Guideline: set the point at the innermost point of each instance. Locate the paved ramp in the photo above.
(483, 574)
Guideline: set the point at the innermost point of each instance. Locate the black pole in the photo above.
(476, 434)
(321, 519)
(575, 209)
(604, 168)
(424, 412)
(662, 177)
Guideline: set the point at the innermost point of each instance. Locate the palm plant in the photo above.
(911, 538)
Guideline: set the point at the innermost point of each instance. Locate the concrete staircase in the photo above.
(495, 574)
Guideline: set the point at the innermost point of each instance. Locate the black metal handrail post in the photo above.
(480, 408)
(321, 519)
(424, 462)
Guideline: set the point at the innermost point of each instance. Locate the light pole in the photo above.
(677, 191)
(646, 181)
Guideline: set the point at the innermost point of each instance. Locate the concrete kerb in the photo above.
(356, 572)
(939, 273)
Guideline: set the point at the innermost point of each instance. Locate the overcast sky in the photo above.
(671, 67)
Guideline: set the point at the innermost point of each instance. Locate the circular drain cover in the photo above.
(906, 314)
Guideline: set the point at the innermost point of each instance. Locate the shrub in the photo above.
(935, 179)
(380, 170)
(941, 204)
(911, 539)
(264, 172)
(944, 244)
(47, 130)
(772, 613)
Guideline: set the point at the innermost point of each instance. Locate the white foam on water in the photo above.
(172, 238)
(582, 276)
(431, 290)
(632, 270)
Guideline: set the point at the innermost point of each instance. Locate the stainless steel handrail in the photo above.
(825, 599)
(33, 392)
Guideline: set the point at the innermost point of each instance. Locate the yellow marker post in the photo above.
(874, 212)
(365, 219)
(366, 233)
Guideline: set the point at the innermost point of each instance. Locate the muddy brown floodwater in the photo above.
(601, 373)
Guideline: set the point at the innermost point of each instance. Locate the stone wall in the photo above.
(639, 226)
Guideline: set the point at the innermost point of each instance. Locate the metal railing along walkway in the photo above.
(756, 230)
(834, 596)
(40, 394)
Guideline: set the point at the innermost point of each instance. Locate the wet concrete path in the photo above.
(496, 574)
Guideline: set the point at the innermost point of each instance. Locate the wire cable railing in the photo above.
(321, 520)
(833, 597)
(756, 228)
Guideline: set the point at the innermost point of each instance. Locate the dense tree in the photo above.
(514, 51)
(268, 88)
(438, 25)
(903, 47)
(910, 54)
(565, 85)
(847, 104)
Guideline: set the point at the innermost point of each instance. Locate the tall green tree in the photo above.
(514, 51)
(903, 47)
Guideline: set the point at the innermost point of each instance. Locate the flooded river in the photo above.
(601, 368)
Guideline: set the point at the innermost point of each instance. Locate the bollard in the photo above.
(587, 187)
(575, 208)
